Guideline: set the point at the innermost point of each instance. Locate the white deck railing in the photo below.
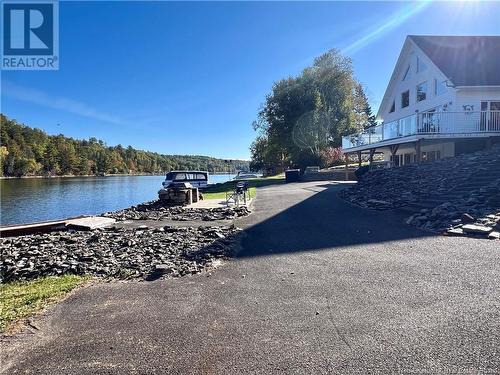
(427, 123)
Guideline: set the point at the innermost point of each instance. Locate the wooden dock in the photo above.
(76, 223)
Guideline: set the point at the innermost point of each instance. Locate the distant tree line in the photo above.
(303, 118)
(25, 151)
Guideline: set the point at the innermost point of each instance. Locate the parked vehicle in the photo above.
(198, 179)
(311, 169)
(246, 176)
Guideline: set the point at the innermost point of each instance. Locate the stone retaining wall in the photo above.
(456, 196)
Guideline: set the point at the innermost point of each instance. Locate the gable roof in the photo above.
(465, 60)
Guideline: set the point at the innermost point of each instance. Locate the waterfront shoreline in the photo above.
(29, 200)
(107, 175)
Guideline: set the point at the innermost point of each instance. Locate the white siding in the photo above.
(454, 100)
(473, 96)
(400, 86)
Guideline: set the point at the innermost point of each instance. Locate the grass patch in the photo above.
(21, 299)
(219, 191)
(222, 194)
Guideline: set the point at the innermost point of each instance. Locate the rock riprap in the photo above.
(155, 210)
(117, 252)
(457, 196)
(477, 215)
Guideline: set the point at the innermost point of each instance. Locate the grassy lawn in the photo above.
(219, 191)
(222, 194)
(19, 300)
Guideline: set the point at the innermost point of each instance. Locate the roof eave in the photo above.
(477, 86)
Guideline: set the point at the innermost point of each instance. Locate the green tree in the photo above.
(102, 162)
(51, 159)
(26, 166)
(306, 114)
(67, 158)
(362, 114)
(28, 151)
(3, 157)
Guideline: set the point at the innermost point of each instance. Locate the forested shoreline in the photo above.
(30, 152)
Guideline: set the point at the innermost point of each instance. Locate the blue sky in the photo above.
(189, 78)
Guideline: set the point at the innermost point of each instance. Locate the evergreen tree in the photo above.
(362, 110)
(25, 151)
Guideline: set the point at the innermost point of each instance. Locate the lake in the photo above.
(28, 200)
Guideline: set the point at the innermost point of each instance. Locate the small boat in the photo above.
(246, 176)
(197, 179)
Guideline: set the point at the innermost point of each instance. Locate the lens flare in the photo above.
(396, 19)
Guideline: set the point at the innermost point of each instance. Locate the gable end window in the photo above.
(407, 73)
(393, 106)
(421, 67)
(422, 91)
(439, 87)
(405, 99)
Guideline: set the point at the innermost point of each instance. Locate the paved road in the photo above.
(319, 287)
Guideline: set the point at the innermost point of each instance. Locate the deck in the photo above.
(428, 125)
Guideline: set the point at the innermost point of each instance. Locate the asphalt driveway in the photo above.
(319, 287)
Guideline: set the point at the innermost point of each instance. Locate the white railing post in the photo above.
(495, 121)
(428, 123)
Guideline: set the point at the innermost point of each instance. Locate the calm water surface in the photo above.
(29, 200)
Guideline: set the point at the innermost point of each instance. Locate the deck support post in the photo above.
(372, 152)
(346, 167)
(489, 143)
(359, 159)
(394, 150)
(417, 151)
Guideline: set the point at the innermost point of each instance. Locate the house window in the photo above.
(493, 106)
(393, 106)
(408, 159)
(421, 67)
(490, 120)
(422, 91)
(405, 99)
(407, 73)
(439, 87)
(431, 155)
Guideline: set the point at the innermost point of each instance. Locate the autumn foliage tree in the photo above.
(303, 118)
(25, 151)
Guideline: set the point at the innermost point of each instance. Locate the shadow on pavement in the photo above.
(323, 221)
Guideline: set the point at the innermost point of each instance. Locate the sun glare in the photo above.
(388, 24)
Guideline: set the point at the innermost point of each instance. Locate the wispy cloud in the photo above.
(14, 91)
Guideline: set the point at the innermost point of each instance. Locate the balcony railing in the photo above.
(427, 123)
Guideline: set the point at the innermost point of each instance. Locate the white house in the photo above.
(443, 99)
